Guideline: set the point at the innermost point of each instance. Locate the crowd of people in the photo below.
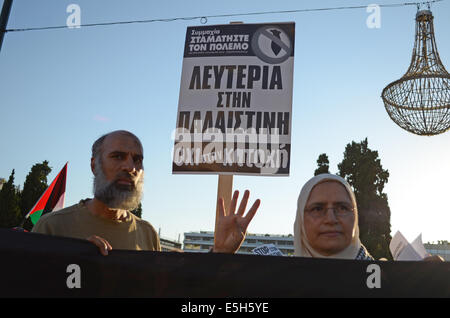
(326, 224)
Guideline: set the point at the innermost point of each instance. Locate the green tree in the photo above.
(138, 211)
(362, 168)
(10, 215)
(2, 181)
(34, 186)
(322, 165)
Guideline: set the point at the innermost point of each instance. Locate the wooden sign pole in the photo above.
(225, 185)
(224, 190)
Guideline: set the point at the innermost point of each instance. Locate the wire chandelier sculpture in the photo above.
(419, 101)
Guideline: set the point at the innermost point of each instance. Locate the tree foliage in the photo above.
(138, 211)
(362, 168)
(34, 186)
(9, 204)
(323, 165)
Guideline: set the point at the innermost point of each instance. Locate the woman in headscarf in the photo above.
(326, 224)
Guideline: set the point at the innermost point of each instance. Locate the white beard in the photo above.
(115, 196)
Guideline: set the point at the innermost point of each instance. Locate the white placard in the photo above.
(402, 250)
(235, 105)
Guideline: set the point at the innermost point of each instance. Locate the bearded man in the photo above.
(106, 220)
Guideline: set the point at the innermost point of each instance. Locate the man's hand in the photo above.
(231, 227)
(101, 243)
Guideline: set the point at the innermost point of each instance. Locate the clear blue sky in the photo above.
(62, 89)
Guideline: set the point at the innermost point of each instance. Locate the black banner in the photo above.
(36, 265)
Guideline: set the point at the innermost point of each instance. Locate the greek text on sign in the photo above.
(235, 105)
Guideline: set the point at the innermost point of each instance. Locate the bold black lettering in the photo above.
(228, 98)
(218, 72)
(238, 119)
(183, 120)
(208, 121)
(265, 77)
(254, 74)
(249, 119)
(219, 99)
(258, 121)
(283, 123)
(276, 78)
(197, 117)
(220, 121)
(240, 76)
(206, 76)
(236, 99)
(230, 69)
(195, 79)
(230, 120)
(269, 122)
(246, 99)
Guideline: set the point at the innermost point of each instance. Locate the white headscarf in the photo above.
(301, 245)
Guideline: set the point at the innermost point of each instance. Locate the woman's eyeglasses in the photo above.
(340, 210)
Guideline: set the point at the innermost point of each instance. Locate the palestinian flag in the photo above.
(52, 199)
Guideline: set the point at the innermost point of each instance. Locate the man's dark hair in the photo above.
(97, 146)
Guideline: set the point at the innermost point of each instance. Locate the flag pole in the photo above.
(23, 221)
(51, 186)
(6, 10)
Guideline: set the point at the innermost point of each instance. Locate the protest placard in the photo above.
(235, 104)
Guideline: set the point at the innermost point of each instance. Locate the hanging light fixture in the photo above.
(420, 100)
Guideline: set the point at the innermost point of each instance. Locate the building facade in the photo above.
(170, 245)
(203, 241)
(442, 249)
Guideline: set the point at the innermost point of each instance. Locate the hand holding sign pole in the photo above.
(224, 190)
(234, 113)
(224, 187)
